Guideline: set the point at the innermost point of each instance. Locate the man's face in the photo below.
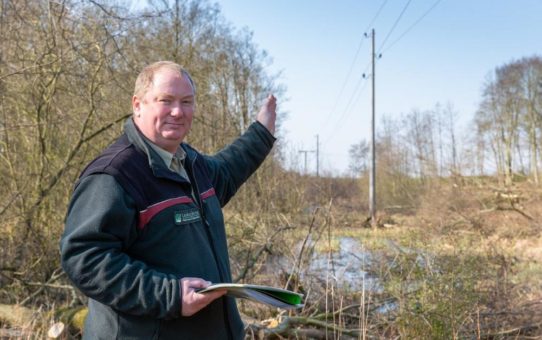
(164, 114)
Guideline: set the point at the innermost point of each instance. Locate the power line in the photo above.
(349, 73)
(374, 18)
(385, 39)
(381, 49)
(388, 35)
(343, 85)
(394, 25)
(363, 76)
(355, 94)
(413, 25)
(382, 45)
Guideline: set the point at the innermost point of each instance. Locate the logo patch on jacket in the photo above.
(183, 217)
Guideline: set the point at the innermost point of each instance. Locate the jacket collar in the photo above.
(156, 163)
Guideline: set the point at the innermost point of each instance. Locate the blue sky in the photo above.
(445, 58)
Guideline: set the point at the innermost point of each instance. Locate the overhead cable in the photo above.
(412, 26)
(394, 25)
(349, 73)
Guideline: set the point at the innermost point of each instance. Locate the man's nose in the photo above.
(177, 110)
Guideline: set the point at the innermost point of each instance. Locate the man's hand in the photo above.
(268, 113)
(194, 302)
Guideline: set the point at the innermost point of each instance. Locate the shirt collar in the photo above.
(167, 156)
(160, 167)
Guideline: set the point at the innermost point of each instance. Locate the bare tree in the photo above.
(67, 70)
(359, 154)
(420, 136)
(529, 84)
(509, 106)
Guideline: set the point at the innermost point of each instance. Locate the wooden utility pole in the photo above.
(372, 173)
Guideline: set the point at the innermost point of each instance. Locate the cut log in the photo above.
(16, 316)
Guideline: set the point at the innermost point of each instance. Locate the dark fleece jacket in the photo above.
(134, 229)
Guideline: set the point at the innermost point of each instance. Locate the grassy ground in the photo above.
(467, 263)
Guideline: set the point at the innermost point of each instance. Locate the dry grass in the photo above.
(466, 264)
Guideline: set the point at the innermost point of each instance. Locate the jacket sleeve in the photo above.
(234, 164)
(99, 226)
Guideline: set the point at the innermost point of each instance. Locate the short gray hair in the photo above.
(145, 78)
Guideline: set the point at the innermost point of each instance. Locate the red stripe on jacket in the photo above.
(146, 215)
(208, 193)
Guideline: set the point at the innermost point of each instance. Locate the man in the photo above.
(144, 228)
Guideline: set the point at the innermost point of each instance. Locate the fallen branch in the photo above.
(289, 327)
(513, 208)
(518, 330)
(11, 333)
(324, 316)
(42, 285)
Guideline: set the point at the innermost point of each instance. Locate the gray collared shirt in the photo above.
(175, 162)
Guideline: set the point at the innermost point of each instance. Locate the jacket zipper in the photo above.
(209, 237)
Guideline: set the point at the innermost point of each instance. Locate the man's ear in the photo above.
(136, 105)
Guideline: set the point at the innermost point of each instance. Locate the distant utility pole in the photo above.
(305, 152)
(372, 173)
(317, 156)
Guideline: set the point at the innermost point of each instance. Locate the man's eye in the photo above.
(165, 100)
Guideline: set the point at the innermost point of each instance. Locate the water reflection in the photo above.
(345, 269)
